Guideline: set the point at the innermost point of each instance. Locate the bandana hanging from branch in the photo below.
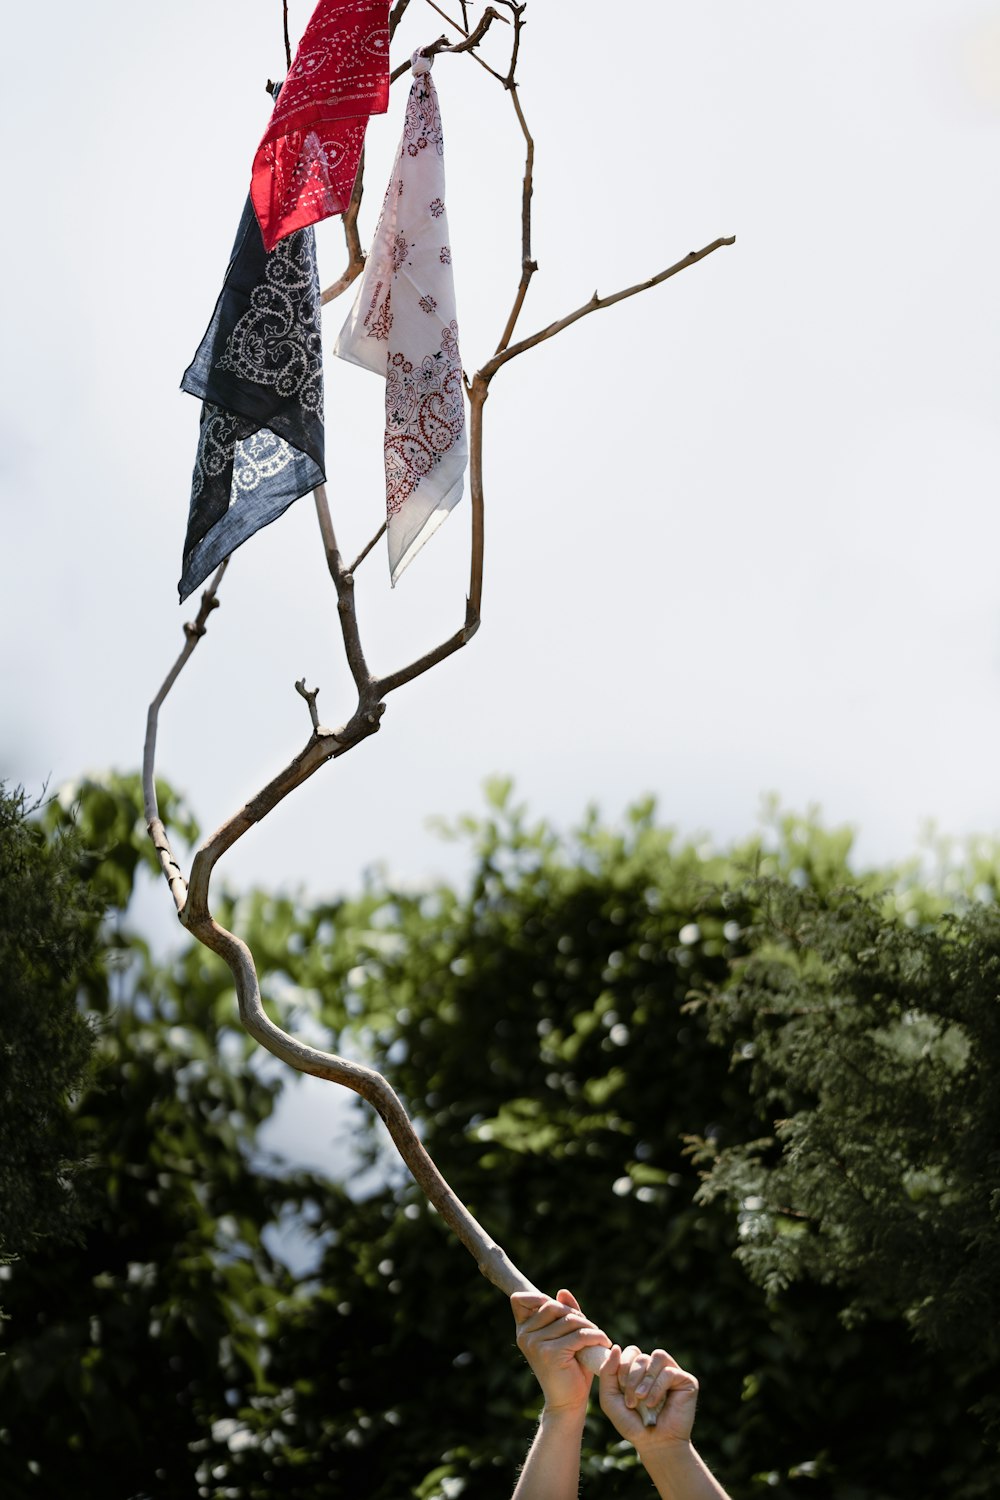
(259, 372)
(305, 166)
(403, 326)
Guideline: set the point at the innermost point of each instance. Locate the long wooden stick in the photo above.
(191, 895)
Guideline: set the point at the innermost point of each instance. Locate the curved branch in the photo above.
(491, 1259)
(192, 899)
(355, 255)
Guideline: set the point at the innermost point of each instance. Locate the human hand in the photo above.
(550, 1333)
(630, 1376)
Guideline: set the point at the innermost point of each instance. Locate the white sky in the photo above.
(741, 532)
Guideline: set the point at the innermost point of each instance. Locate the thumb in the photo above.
(523, 1304)
(608, 1375)
(567, 1299)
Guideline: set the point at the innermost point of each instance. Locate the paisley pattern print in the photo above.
(276, 342)
(305, 166)
(259, 374)
(403, 326)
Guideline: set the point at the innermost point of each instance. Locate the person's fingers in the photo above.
(531, 1310)
(659, 1361)
(569, 1301)
(672, 1381)
(631, 1374)
(523, 1304)
(608, 1377)
(549, 1324)
(578, 1338)
(630, 1354)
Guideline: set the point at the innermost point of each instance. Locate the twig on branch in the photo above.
(468, 44)
(483, 25)
(596, 303)
(310, 695)
(517, 11)
(444, 14)
(355, 565)
(288, 44)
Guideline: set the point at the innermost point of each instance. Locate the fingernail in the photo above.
(642, 1390)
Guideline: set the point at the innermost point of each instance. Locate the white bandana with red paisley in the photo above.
(403, 326)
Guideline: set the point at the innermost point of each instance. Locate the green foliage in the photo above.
(563, 1027)
(49, 944)
(129, 1356)
(876, 1046)
(540, 1025)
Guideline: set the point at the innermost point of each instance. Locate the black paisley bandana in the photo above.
(259, 372)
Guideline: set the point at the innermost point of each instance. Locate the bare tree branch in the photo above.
(193, 631)
(288, 44)
(528, 265)
(596, 303)
(396, 15)
(477, 400)
(444, 14)
(483, 25)
(344, 583)
(355, 565)
(470, 40)
(355, 255)
(491, 1259)
(192, 899)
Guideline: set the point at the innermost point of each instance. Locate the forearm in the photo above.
(679, 1473)
(552, 1468)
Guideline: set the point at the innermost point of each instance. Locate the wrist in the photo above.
(665, 1453)
(679, 1473)
(568, 1414)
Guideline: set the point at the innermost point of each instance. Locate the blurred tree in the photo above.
(555, 1025)
(540, 1025)
(128, 1354)
(49, 943)
(874, 1048)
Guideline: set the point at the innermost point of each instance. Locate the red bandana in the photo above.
(306, 164)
